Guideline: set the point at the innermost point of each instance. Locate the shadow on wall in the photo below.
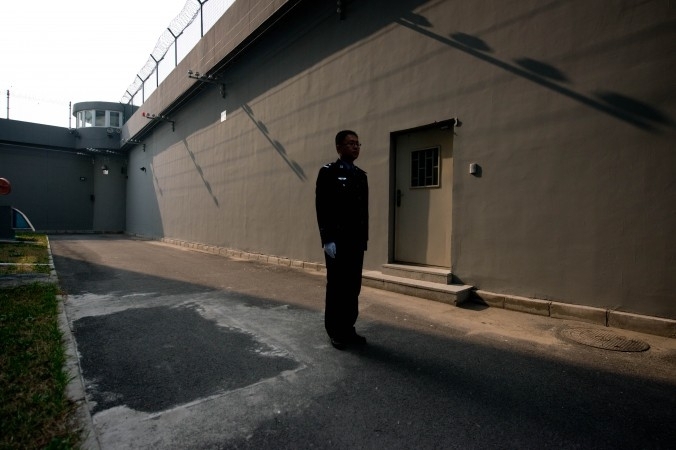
(207, 185)
(312, 22)
(621, 107)
(297, 169)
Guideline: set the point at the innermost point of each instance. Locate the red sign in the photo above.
(5, 187)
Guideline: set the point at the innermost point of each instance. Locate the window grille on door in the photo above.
(425, 168)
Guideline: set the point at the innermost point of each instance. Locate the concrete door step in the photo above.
(423, 273)
(452, 294)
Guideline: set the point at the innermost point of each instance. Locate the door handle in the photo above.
(398, 197)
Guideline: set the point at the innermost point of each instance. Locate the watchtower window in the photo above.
(115, 118)
(98, 118)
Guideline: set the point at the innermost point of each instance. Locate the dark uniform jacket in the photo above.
(342, 198)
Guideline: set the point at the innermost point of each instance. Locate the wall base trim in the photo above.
(607, 317)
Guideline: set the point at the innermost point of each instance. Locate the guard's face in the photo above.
(349, 149)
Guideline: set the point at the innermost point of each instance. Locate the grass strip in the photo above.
(34, 411)
(27, 253)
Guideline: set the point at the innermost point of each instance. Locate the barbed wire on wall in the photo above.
(169, 39)
(164, 43)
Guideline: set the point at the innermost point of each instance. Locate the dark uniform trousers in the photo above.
(343, 285)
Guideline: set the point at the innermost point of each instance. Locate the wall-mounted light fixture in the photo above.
(135, 142)
(150, 116)
(143, 169)
(211, 79)
(104, 169)
(450, 124)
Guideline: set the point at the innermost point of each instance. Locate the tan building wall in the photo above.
(567, 108)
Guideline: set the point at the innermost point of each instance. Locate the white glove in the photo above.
(330, 249)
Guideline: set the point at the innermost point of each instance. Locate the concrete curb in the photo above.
(75, 390)
(614, 319)
(240, 254)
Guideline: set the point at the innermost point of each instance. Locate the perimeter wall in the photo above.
(567, 107)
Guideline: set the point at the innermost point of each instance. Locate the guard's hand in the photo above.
(330, 249)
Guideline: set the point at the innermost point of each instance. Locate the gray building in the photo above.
(68, 179)
(558, 185)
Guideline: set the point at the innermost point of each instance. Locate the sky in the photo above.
(56, 52)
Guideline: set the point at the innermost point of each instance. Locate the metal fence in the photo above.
(182, 34)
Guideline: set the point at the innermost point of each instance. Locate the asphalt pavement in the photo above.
(173, 348)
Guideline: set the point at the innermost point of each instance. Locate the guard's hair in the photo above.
(340, 137)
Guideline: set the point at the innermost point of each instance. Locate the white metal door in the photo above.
(423, 196)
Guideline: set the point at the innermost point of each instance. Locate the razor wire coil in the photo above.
(169, 37)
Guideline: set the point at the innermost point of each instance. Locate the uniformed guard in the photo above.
(342, 215)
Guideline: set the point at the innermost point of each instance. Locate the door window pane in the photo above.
(425, 168)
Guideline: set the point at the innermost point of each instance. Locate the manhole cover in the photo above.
(604, 339)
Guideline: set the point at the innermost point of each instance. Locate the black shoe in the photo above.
(340, 345)
(357, 340)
